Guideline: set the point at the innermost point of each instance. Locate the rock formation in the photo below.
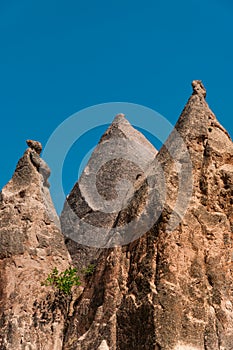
(122, 154)
(31, 245)
(171, 289)
(159, 226)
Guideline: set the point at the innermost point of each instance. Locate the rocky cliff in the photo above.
(163, 278)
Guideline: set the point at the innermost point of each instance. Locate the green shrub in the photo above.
(63, 281)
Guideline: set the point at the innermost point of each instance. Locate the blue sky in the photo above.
(58, 57)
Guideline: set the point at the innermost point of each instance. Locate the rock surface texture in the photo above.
(32, 317)
(171, 289)
(116, 166)
(163, 283)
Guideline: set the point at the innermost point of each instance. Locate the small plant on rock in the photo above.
(63, 281)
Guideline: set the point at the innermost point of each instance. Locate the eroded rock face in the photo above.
(116, 167)
(31, 245)
(172, 289)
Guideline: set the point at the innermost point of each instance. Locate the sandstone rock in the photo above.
(105, 188)
(31, 245)
(171, 288)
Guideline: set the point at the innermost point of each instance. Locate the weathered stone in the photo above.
(172, 288)
(31, 245)
(168, 289)
(121, 157)
(35, 145)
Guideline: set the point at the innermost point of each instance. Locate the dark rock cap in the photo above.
(35, 145)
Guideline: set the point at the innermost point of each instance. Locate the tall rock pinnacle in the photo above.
(92, 208)
(31, 245)
(171, 289)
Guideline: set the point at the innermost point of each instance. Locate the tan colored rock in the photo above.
(172, 288)
(31, 245)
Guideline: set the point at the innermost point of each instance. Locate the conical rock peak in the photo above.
(31, 246)
(198, 88)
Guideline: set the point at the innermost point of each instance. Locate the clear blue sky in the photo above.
(58, 57)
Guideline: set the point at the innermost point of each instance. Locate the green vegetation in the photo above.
(63, 281)
(89, 270)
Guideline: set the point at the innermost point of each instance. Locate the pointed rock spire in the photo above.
(93, 206)
(31, 245)
(198, 88)
(121, 127)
